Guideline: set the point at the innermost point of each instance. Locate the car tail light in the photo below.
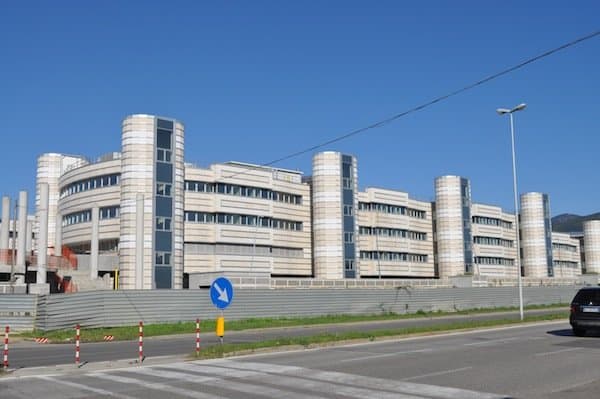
(573, 308)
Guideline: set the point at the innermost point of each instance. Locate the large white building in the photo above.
(151, 219)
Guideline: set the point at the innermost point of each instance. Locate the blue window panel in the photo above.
(349, 251)
(163, 277)
(348, 197)
(163, 139)
(164, 172)
(162, 241)
(164, 206)
(164, 124)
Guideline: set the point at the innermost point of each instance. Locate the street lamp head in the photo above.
(519, 107)
(502, 111)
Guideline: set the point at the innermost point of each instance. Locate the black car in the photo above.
(585, 311)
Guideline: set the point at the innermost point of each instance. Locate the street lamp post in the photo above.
(503, 111)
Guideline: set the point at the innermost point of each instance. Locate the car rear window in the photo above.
(588, 297)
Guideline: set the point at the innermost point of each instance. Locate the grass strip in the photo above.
(131, 332)
(227, 349)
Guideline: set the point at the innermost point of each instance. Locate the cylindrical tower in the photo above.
(335, 231)
(49, 169)
(5, 227)
(21, 236)
(43, 235)
(453, 226)
(151, 163)
(591, 240)
(536, 235)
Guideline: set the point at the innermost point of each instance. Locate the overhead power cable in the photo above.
(429, 103)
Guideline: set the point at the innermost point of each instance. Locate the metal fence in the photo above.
(17, 311)
(110, 308)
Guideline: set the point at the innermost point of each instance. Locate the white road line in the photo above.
(555, 352)
(437, 373)
(155, 386)
(86, 388)
(311, 386)
(370, 383)
(503, 340)
(259, 390)
(354, 359)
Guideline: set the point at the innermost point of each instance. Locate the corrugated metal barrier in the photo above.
(118, 308)
(17, 311)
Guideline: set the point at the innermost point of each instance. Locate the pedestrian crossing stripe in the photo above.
(229, 378)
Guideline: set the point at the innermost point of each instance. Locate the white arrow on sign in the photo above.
(222, 294)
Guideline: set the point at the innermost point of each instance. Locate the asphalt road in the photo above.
(534, 361)
(31, 354)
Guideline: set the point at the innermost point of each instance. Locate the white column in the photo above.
(94, 243)
(139, 242)
(4, 228)
(58, 236)
(43, 235)
(22, 235)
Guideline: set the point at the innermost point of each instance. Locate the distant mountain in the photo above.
(569, 223)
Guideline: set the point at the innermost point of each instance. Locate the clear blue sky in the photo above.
(255, 81)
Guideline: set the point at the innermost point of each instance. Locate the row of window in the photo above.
(392, 209)
(243, 191)
(90, 184)
(389, 232)
(393, 256)
(242, 249)
(490, 260)
(564, 247)
(108, 212)
(492, 221)
(500, 242)
(564, 263)
(242, 220)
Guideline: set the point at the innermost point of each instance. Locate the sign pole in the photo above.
(197, 337)
(221, 295)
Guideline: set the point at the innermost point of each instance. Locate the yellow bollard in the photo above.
(116, 280)
(220, 327)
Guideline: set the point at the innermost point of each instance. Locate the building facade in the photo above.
(145, 212)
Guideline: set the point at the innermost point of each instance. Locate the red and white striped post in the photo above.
(77, 346)
(197, 337)
(141, 342)
(7, 330)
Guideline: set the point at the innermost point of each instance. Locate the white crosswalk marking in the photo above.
(304, 384)
(367, 382)
(235, 379)
(156, 386)
(260, 390)
(86, 388)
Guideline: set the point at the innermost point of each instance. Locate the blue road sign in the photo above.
(221, 292)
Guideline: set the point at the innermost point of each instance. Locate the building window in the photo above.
(163, 258)
(163, 155)
(163, 189)
(90, 184)
(348, 237)
(348, 265)
(163, 224)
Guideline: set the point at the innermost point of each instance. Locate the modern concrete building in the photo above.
(536, 235)
(395, 235)
(247, 220)
(454, 238)
(334, 197)
(591, 233)
(156, 220)
(494, 241)
(566, 257)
